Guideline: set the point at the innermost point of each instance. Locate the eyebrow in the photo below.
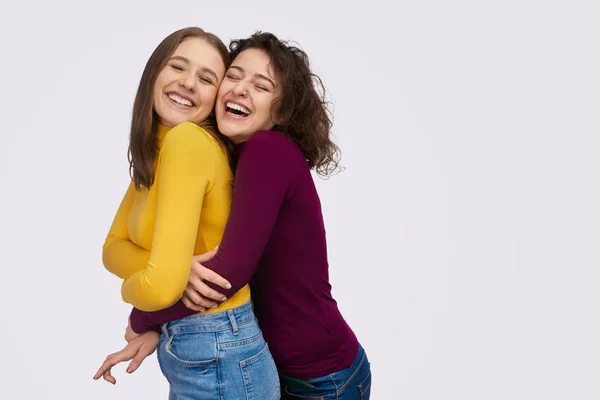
(204, 69)
(261, 76)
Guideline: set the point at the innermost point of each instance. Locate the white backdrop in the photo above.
(463, 235)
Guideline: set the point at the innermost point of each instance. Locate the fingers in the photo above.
(195, 290)
(110, 362)
(193, 300)
(135, 363)
(150, 343)
(191, 305)
(109, 378)
(126, 354)
(211, 276)
(101, 371)
(104, 372)
(206, 256)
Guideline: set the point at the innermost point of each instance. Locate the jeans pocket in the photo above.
(365, 387)
(261, 380)
(193, 349)
(289, 394)
(321, 388)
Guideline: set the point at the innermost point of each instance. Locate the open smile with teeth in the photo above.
(236, 109)
(180, 100)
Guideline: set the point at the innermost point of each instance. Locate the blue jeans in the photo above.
(220, 356)
(353, 383)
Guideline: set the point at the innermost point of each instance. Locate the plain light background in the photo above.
(463, 234)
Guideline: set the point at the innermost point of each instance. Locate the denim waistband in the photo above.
(213, 322)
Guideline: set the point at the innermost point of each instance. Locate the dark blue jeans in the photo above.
(353, 383)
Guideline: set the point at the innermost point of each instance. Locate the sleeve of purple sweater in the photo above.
(265, 170)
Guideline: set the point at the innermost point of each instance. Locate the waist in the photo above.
(359, 359)
(213, 322)
(308, 347)
(240, 297)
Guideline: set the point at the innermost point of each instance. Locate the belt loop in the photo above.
(163, 327)
(233, 322)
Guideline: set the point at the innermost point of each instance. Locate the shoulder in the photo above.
(188, 133)
(271, 138)
(189, 138)
(275, 145)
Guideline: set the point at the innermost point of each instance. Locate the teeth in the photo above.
(180, 100)
(238, 107)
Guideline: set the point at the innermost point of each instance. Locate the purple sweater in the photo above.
(275, 239)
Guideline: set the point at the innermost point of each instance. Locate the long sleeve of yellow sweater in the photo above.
(120, 255)
(156, 231)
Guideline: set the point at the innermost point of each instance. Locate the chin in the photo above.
(229, 134)
(172, 120)
(228, 131)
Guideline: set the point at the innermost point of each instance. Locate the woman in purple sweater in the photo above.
(269, 106)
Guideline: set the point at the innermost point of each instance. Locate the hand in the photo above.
(138, 349)
(129, 333)
(198, 295)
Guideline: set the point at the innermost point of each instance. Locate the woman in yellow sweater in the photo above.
(176, 206)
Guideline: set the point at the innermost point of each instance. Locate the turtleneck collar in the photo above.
(162, 132)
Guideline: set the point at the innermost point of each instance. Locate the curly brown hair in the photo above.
(143, 138)
(301, 112)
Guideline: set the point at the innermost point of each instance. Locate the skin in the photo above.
(250, 83)
(141, 346)
(191, 76)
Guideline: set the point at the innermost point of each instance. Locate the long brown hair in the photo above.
(301, 112)
(143, 138)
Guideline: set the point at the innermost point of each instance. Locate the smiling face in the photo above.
(186, 88)
(246, 96)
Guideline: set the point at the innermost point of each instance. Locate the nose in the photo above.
(241, 89)
(188, 81)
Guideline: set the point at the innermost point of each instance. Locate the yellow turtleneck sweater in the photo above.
(155, 232)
